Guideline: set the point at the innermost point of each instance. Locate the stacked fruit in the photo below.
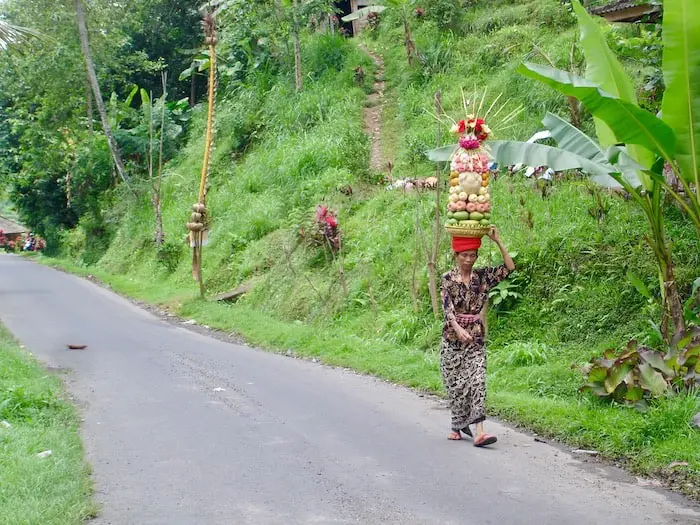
(469, 205)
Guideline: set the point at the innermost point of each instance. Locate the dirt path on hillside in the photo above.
(373, 113)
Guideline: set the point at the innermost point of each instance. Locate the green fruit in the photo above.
(471, 223)
(484, 222)
(450, 214)
(461, 215)
(476, 216)
(487, 215)
(451, 222)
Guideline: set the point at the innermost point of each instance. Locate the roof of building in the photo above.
(11, 227)
(627, 10)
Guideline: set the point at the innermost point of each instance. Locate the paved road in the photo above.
(286, 441)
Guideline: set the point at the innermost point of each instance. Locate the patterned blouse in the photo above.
(459, 299)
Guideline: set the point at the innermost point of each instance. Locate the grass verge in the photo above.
(537, 393)
(55, 490)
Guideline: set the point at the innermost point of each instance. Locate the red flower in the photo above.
(321, 212)
(461, 126)
(331, 221)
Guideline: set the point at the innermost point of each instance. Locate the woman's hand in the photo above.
(463, 335)
(494, 235)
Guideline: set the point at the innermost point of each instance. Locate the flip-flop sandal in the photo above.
(455, 436)
(484, 440)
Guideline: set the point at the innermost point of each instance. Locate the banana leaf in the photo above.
(629, 123)
(604, 69)
(572, 139)
(443, 154)
(681, 67)
(508, 153)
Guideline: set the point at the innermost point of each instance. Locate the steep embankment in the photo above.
(278, 155)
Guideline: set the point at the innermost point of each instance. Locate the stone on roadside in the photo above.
(5, 424)
(45, 454)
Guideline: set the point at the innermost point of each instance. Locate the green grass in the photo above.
(55, 490)
(279, 154)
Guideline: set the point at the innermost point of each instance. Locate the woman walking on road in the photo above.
(462, 351)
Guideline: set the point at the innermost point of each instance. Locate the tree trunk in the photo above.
(92, 77)
(432, 261)
(408, 41)
(297, 48)
(574, 104)
(193, 89)
(575, 111)
(671, 301)
(90, 112)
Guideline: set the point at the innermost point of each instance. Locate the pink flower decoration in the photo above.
(469, 143)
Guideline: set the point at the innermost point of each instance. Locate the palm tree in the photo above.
(12, 35)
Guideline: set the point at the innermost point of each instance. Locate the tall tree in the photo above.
(297, 46)
(99, 102)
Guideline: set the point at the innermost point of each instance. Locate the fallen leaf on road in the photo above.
(76, 347)
(45, 454)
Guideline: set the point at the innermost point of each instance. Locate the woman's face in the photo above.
(466, 259)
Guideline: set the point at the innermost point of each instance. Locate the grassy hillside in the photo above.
(278, 155)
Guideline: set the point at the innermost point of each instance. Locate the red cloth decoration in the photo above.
(462, 244)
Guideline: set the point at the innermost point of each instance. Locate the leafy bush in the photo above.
(505, 294)
(169, 255)
(640, 373)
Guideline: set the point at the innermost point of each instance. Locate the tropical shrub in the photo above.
(639, 373)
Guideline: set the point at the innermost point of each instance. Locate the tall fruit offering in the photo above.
(469, 203)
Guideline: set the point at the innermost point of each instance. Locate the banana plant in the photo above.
(403, 7)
